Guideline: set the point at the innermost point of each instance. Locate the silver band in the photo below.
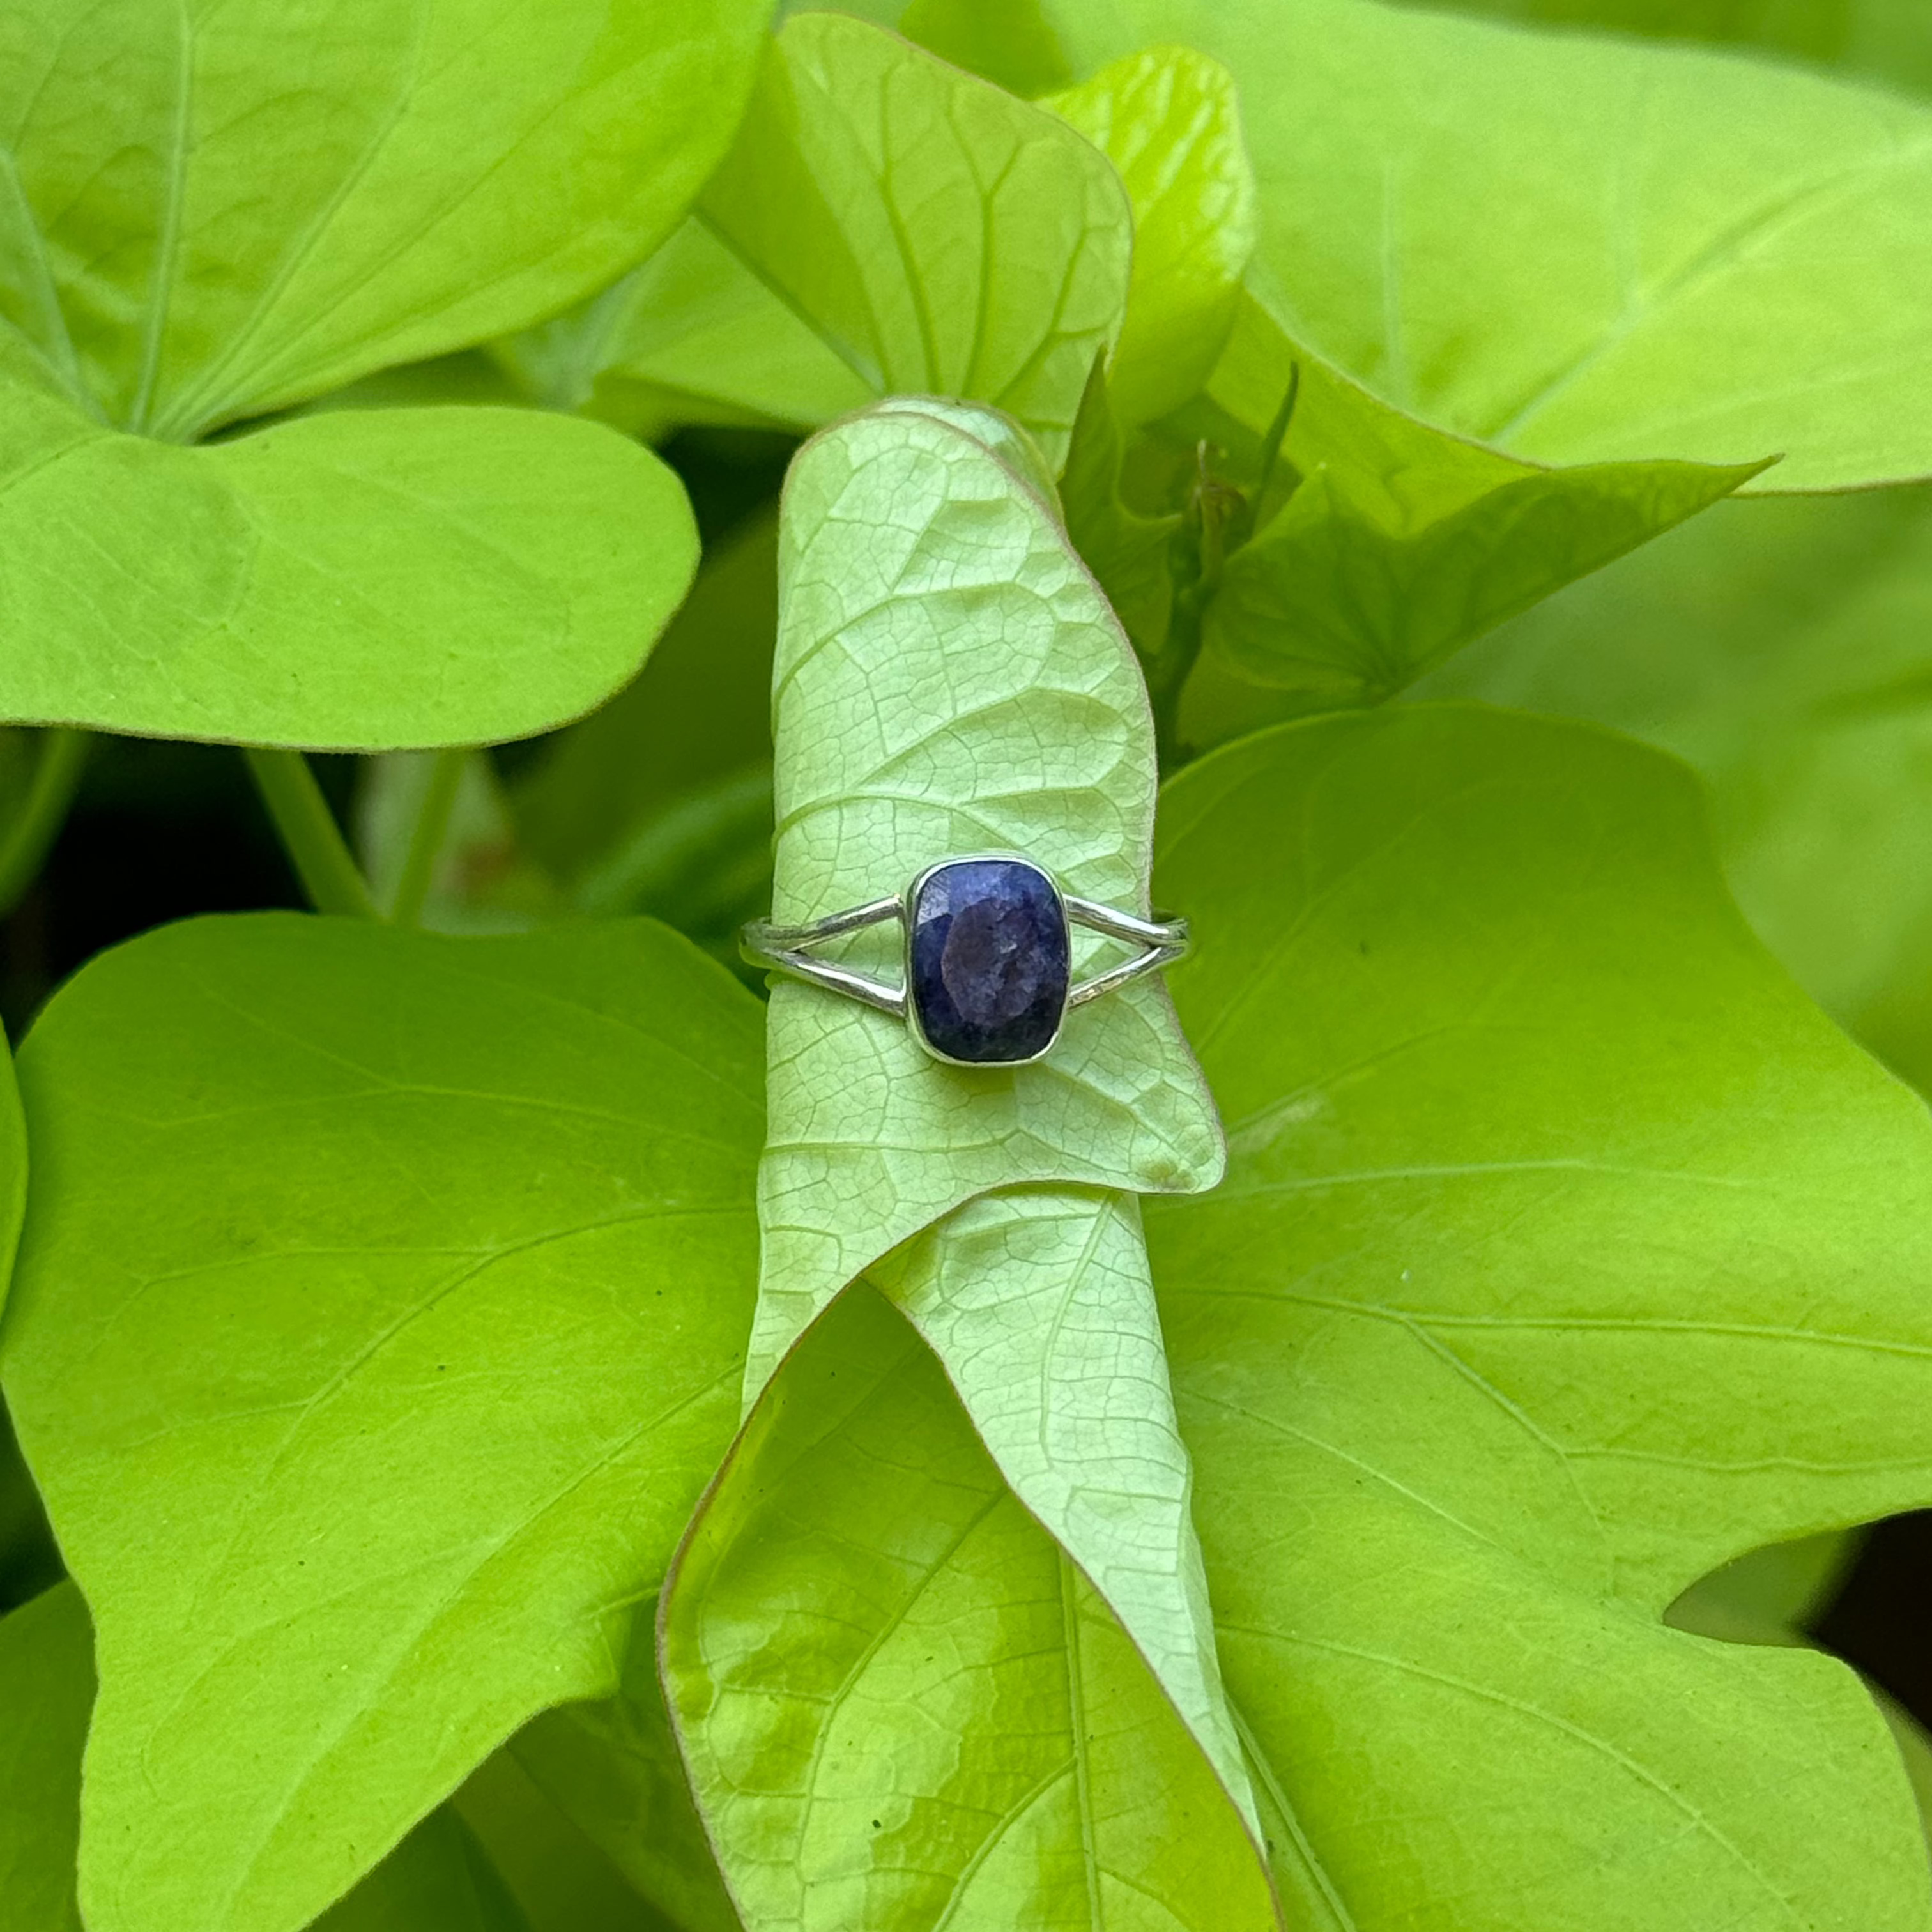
(782, 948)
(1000, 998)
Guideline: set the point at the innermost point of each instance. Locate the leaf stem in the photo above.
(56, 778)
(427, 834)
(309, 833)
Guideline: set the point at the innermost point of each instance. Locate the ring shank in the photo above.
(783, 949)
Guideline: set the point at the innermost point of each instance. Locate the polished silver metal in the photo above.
(787, 949)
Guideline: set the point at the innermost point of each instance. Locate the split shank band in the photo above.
(988, 955)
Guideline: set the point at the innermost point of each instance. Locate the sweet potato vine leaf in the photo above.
(1567, 1251)
(471, 1220)
(1579, 250)
(903, 1706)
(884, 224)
(438, 1879)
(948, 680)
(438, 175)
(1782, 648)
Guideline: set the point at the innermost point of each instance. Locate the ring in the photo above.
(988, 957)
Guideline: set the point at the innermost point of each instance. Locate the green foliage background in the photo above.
(512, 1425)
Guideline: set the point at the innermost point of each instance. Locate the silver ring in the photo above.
(987, 951)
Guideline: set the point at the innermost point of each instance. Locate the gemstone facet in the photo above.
(989, 961)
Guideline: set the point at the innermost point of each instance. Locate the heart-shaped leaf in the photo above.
(1567, 1251)
(903, 1706)
(885, 224)
(365, 578)
(469, 1222)
(438, 175)
(1579, 251)
(1782, 648)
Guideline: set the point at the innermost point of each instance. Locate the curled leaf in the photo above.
(902, 1704)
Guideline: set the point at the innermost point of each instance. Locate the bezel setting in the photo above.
(787, 949)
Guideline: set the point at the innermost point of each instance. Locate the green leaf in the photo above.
(360, 578)
(1169, 121)
(700, 711)
(1566, 1252)
(1782, 649)
(440, 175)
(478, 880)
(383, 1316)
(1384, 547)
(1007, 41)
(1883, 39)
(885, 224)
(47, 1689)
(438, 1879)
(1579, 251)
(365, 579)
(561, 1880)
(1129, 553)
(614, 1769)
(1401, 546)
(13, 1168)
(903, 1706)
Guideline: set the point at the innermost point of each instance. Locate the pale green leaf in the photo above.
(947, 680)
(1883, 39)
(1782, 648)
(1168, 118)
(47, 1689)
(1566, 1252)
(1580, 251)
(561, 1880)
(366, 578)
(904, 1707)
(885, 224)
(614, 1769)
(1038, 1304)
(383, 1316)
(360, 579)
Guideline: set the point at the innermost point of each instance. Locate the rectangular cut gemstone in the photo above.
(990, 960)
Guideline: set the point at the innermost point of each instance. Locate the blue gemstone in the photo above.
(990, 960)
